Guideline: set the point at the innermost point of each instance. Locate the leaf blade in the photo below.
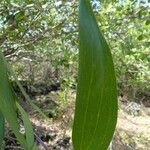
(28, 128)
(96, 86)
(7, 101)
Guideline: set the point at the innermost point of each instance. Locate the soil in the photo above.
(54, 133)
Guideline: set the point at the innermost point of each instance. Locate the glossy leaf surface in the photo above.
(96, 102)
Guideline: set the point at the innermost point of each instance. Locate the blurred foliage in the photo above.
(127, 29)
(40, 38)
(40, 35)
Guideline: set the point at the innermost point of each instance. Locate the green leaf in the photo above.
(140, 37)
(7, 101)
(96, 101)
(20, 15)
(147, 22)
(28, 99)
(28, 128)
(1, 129)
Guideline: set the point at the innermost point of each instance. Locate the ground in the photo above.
(132, 132)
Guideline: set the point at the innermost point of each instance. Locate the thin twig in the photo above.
(41, 142)
(14, 147)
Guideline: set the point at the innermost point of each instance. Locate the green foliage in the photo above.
(48, 32)
(96, 102)
(35, 33)
(7, 102)
(8, 109)
(127, 30)
(28, 129)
